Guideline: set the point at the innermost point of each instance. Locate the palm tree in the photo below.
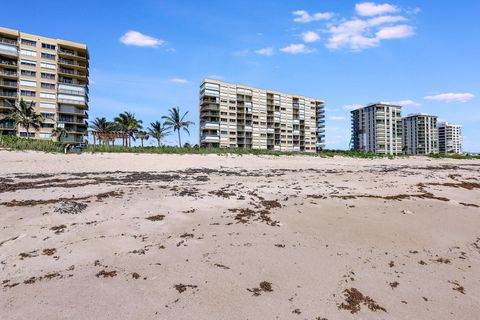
(59, 133)
(24, 114)
(158, 131)
(128, 124)
(177, 122)
(102, 125)
(142, 135)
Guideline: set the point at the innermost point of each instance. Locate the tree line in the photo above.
(126, 123)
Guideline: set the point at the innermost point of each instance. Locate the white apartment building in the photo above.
(377, 128)
(420, 134)
(237, 116)
(449, 138)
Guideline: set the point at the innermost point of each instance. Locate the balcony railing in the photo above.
(72, 53)
(8, 94)
(72, 63)
(72, 92)
(11, 84)
(73, 72)
(70, 101)
(8, 73)
(8, 42)
(8, 62)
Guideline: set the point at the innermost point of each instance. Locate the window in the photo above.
(28, 52)
(47, 65)
(48, 125)
(48, 46)
(45, 135)
(47, 85)
(27, 62)
(48, 56)
(47, 95)
(28, 93)
(28, 83)
(47, 105)
(48, 115)
(47, 75)
(29, 42)
(28, 73)
(24, 134)
(223, 132)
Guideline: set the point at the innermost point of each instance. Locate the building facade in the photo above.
(237, 116)
(449, 138)
(53, 74)
(377, 128)
(420, 134)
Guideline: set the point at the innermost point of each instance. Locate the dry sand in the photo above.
(121, 236)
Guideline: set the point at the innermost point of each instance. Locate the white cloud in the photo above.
(304, 17)
(337, 118)
(179, 80)
(310, 36)
(135, 38)
(369, 9)
(352, 106)
(451, 97)
(385, 19)
(296, 48)
(265, 51)
(395, 32)
(358, 34)
(404, 103)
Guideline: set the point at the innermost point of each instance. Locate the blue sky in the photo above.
(147, 56)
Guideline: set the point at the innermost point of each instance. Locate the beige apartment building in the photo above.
(449, 138)
(377, 128)
(237, 116)
(53, 74)
(420, 134)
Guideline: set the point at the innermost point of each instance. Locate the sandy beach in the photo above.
(138, 236)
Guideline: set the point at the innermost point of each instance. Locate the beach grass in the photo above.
(23, 144)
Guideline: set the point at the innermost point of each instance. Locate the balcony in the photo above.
(70, 101)
(8, 94)
(209, 125)
(71, 53)
(8, 126)
(72, 72)
(8, 84)
(73, 82)
(9, 63)
(72, 139)
(72, 92)
(72, 63)
(210, 139)
(8, 73)
(72, 110)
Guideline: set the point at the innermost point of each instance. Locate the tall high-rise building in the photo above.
(377, 128)
(449, 138)
(420, 134)
(238, 116)
(53, 74)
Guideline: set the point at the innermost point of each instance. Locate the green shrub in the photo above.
(17, 143)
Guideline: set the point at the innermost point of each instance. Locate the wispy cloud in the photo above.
(404, 103)
(451, 97)
(370, 9)
(135, 38)
(296, 48)
(265, 51)
(216, 77)
(241, 53)
(310, 36)
(304, 17)
(179, 80)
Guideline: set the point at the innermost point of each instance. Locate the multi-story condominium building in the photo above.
(377, 128)
(238, 116)
(449, 138)
(53, 74)
(420, 134)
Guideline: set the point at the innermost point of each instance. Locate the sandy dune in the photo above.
(121, 236)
